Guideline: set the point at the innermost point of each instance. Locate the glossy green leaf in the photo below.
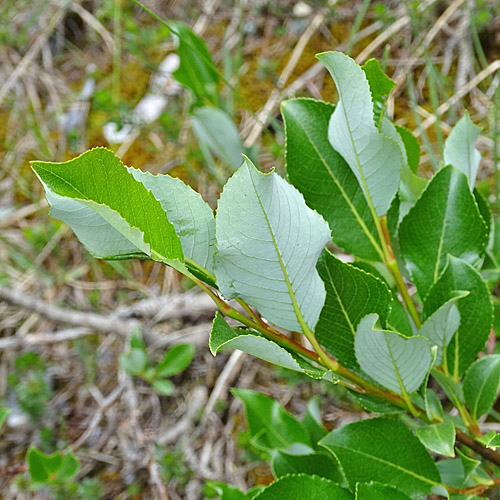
(380, 87)
(197, 70)
(439, 328)
(439, 438)
(163, 386)
(176, 360)
(383, 450)
(223, 491)
(374, 404)
(222, 337)
(378, 491)
(301, 486)
(271, 426)
(319, 464)
(398, 363)
(269, 241)
(351, 294)
(411, 146)
(214, 128)
(325, 179)
(134, 362)
(98, 180)
(475, 312)
(481, 384)
(374, 158)
(460, 150)
(445, 220)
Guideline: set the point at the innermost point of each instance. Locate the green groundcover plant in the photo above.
(411, 355)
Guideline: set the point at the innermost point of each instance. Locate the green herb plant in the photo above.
(136, 363)
(401, 327)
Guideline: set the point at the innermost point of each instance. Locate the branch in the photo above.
(487, 453)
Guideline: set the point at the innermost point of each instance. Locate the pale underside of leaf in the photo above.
(268, 243)
(398, 363)
(374, 158)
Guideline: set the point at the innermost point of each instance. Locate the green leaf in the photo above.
(163, 386)
(271, 426)
(301, 486)
(223, 491)
(268, 244)
(312, 421)
(476, 312)
(460, 150)
(4, 413)
(223, 337)
(319, 464)
(325, 179)
(98, 180)
(378, 491)
(351, 294)
(50, 469)
(134, 361)
(374, 158)
(452, 389)
(197, 70)
(445, 220)
(213, 127)
(411, 146)
(398, 363)
(439, 438)
(439, 328)
(192, 218)
(385, 450)
(374, 404)
(380, 87)
(481, 384)
(433, 406)
(176, 360)
(136, 341)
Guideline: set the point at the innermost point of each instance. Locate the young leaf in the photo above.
(192, 218)
(163, 386)
(475, 311)
(351, 294)
(98, 180)
(439, 438)
(460, 150)
(445, 220)
(325, 179)
(51, 468)
(213, 127)
(481, 384)
(134, 362)
(396, 362)
(4, 413)
(387, 451)
(377, 491)
(268, 244)
(439, 328)
(222, 337)
(380, 87)
(176, 360)
(197, 70)
(374, 158)
(271, 427)
(223, 491)
(301, 486)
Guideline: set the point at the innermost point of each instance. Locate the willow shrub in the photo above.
(352, 180)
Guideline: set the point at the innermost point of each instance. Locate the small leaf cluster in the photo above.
(56, 472)
(354, 181)
(136, 363)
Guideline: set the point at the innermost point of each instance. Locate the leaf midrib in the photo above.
(385, 462)
(361, 222)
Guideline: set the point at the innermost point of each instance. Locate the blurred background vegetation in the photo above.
(86, 73)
